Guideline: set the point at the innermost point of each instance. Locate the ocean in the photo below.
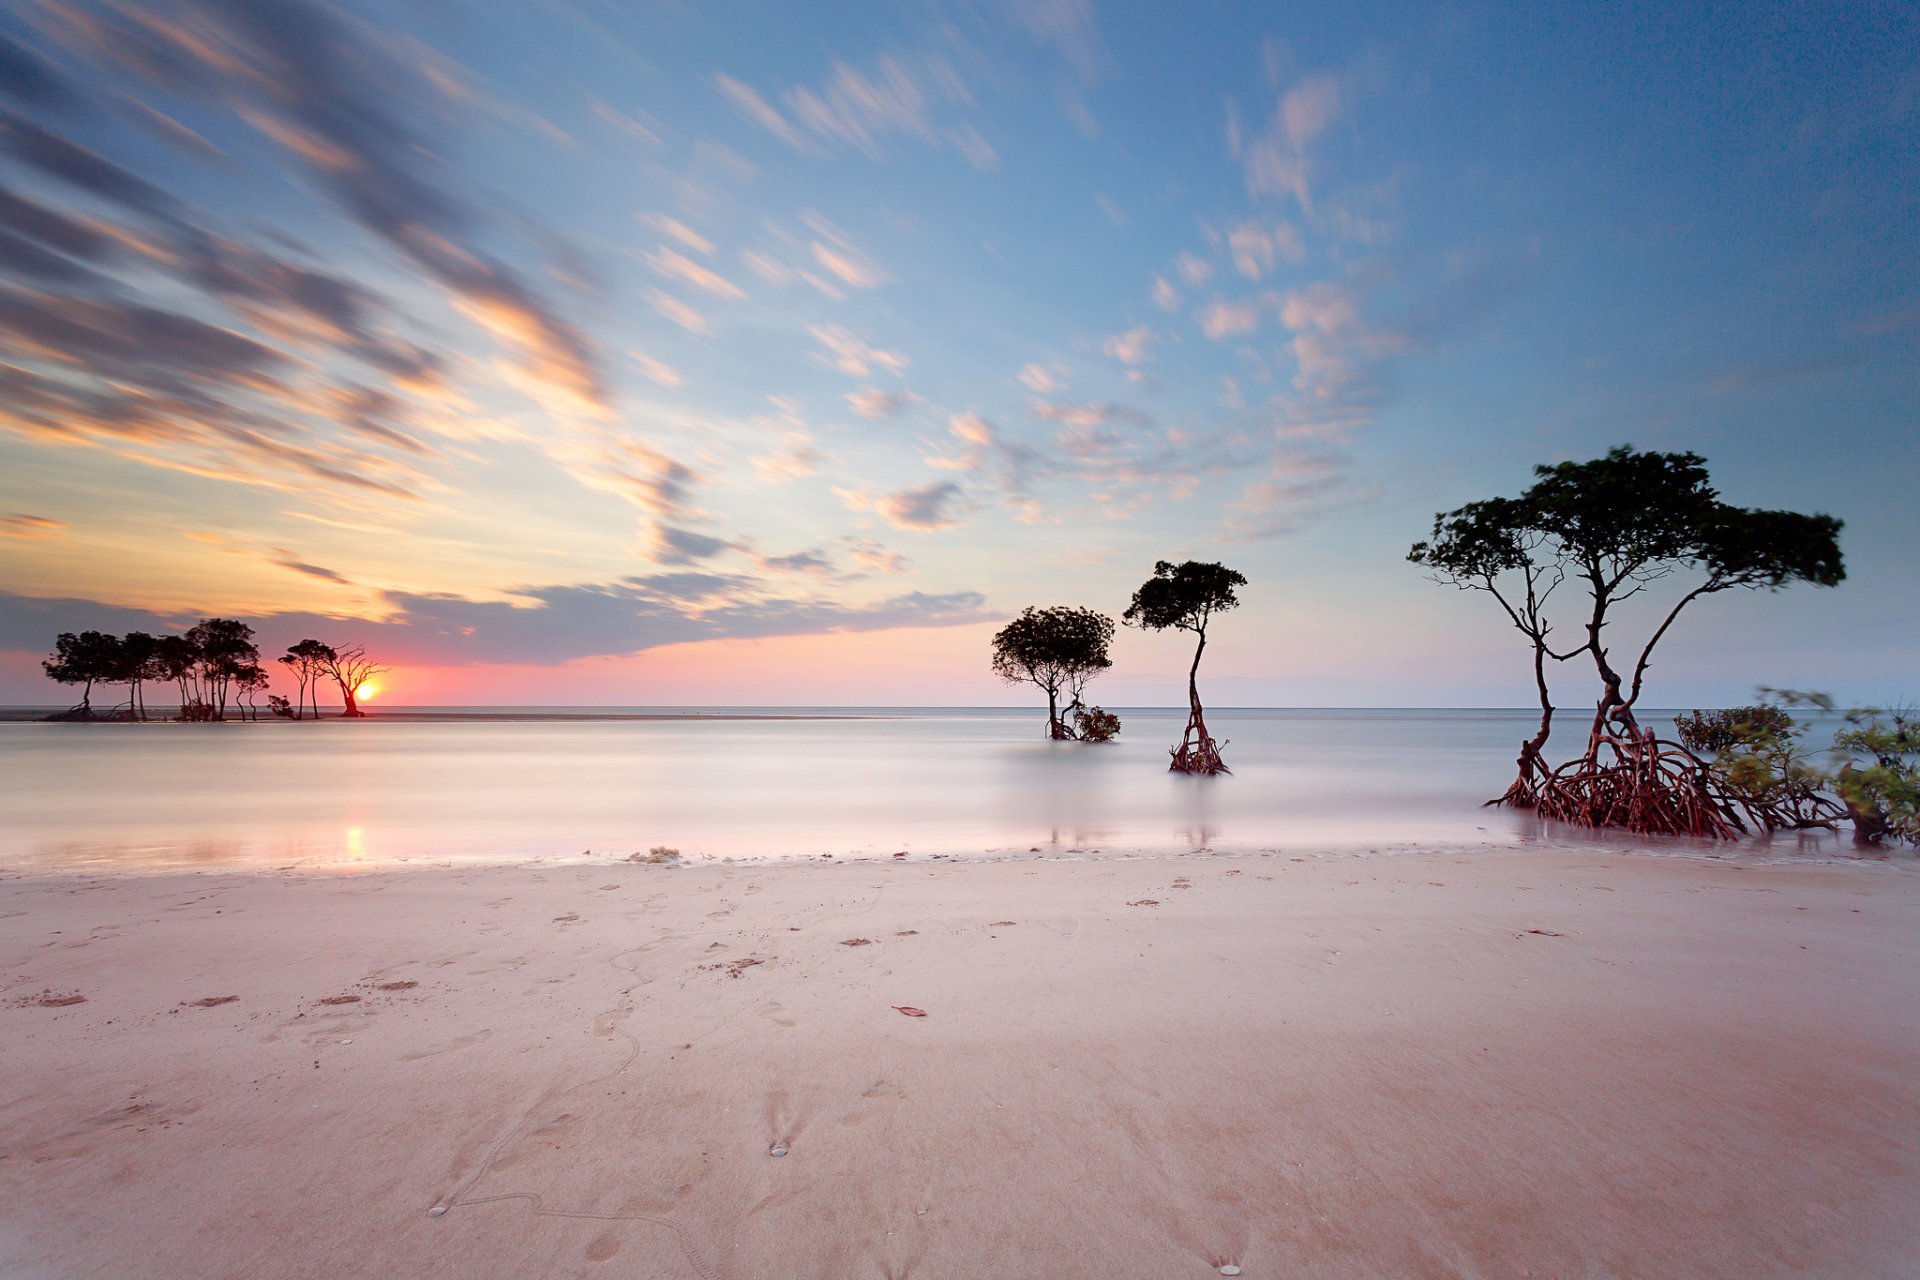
(471, 785)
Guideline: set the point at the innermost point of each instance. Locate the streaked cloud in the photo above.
(919, 508)
(667, 262)
(877, 405)
(29, 527)
(843, 350)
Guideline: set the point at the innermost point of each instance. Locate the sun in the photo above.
(366, 692)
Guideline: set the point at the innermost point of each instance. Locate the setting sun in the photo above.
(366, 692)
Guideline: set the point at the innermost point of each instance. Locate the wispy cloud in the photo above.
(27, 527)
(877, 405)
(843, 350)
(677, 266)
(861, 110)
(919, 508)
(1135, 346)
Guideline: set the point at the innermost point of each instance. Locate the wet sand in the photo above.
(1511, 1063)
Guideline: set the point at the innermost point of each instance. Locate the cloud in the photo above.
(1037, 377)
(761, 112)
(1275, 160)
(678, 230)
(808, 562)
(687, 317)
(846, 268)
(1256, 248)
(288, 560)
(30, 528)
(1332, 344)
(1135, 346)
(900, 97)
(1220, 319)
(677, 266)
(339, 99)
(796, 459)
(921, 508)
(1084, 413)
(1308, 108)
(1069, 27)
(848, 353)
(878, 405)
(540, 625)
(1165, 296)
(1193, 269)
(673, 545)
(657, 371)
(872, 557)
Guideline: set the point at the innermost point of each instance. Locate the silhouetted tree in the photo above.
(223, 648)
(86, 659)
(139, 653)
(308, 662)
(350, 668)
(174, 658)
(1185, 597)
(1616, 526)
(1058, 648)
(249, 680)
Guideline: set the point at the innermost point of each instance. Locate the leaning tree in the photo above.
(1616, 528)
(1057, 649)
(1185, 597)
(350, 668)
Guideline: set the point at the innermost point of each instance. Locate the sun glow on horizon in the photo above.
(366, 692)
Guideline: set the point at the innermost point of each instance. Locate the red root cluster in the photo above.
(1639, 782)
(1197, 752)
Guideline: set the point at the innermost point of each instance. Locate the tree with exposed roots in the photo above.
(86, 659)
(350, 668)
(1185, 597)
(1616, 528)
(1056, 649)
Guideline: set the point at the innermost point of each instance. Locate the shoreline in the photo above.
(1466, 1063)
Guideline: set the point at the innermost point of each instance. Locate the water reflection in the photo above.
(126, 797)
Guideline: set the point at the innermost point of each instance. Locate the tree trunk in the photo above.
(346, 695)
(1197, 752)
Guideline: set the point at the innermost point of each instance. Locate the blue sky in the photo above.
(656, 353)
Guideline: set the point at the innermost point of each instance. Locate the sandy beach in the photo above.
(1511, 1063)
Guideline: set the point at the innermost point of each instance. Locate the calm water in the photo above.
(273, 794)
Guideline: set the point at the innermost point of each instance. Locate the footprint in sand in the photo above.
(778, 1015)
(603, 1246)
(784, 1123)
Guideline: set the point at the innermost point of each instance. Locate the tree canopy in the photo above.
(1057, 648)
(1184, 596)
(1617, 526)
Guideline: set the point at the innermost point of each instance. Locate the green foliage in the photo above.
(1759, 757)
(1879, 777)
(1184, 597)
(1096, 724)
(1712, 732)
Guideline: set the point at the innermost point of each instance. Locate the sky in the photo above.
(577, 352)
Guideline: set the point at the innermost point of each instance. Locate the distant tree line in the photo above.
(213, 666)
